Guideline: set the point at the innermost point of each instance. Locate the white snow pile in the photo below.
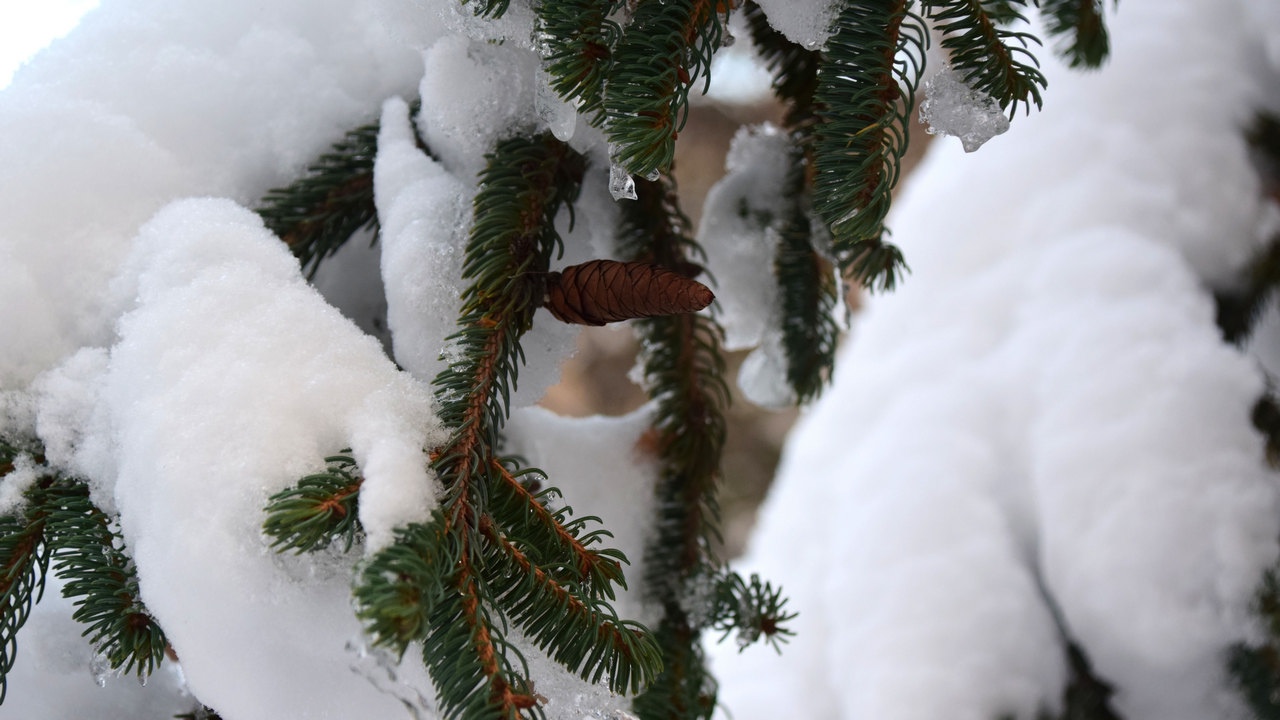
(951, 107)
(1043, 416)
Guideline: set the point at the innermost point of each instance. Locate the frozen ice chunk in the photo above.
(621, 184)
(806, 22)
(951, 107)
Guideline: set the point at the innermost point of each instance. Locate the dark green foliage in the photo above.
(321, 508)
(666, 49)
(1239, 307)
(1080, 29)
(684, 367)
(794, 68)
(88, 554)
(1266, 418)
(202, 713)
(488, 8)
(1255, 668)
(59, 529)
(992, 59)
(1086, 696)
(753, 609)
(861, 137)
(580, 37)
(808, 290)
(401, 585)
(329, 203)
(24, 564)
(494, 555)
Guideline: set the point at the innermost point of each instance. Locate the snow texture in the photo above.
(425, 214)
(953, 108)
(1044, 409)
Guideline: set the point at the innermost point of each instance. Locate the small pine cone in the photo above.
(605, 291)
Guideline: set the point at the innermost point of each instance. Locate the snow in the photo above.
(953, 108)
(1042, 421)
(1044, 409)
(425, 213)
(739, 232)
(88, 109)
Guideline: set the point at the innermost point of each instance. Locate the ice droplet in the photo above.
(560, 116)
(951, 107)
(621, 186)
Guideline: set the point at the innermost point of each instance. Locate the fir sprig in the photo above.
(580, 36)
(992, 59)
(753, 609)
(60, 530)
(872, 65)
(808, 291)
(493, 554)
(88, 553)
(666, 49)
(684, 367)
(333, 200)
(24, 564)
(320, 509)
(1080, 28)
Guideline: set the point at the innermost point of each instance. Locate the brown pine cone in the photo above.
(604, 291)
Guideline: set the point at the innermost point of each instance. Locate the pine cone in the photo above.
(605, 291)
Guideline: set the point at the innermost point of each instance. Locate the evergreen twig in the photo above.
(666, 49)
(493, 554)
(580, 36)
(330, 202)
(993, 60)
(88, 553)
(321, 508)
(684, 367)
(24, 565)
(1080, 29)
(870, 71)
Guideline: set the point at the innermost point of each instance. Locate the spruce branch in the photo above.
(24, 565)
(875, 51)
(1080, 29)
(403, 584)
(685, 370)
(330, 202)
(526, 520)
(493, 553)
(1239, 307)
(808, 290)
(993, 60)
(88, 553)
(492, 9)
(666, 49)
(581, 633)
(579, 38)
(61, 530)
(754, 609)
(320, 509)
